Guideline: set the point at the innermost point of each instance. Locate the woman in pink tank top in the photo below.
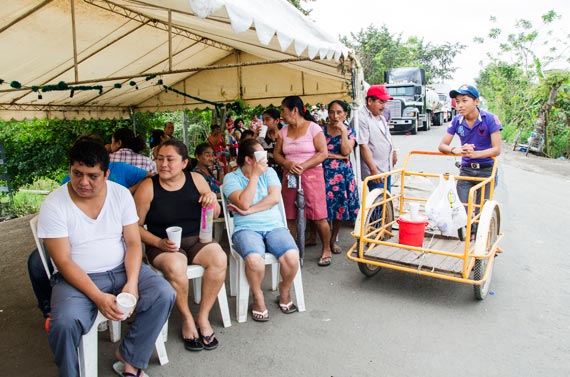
(301, 149)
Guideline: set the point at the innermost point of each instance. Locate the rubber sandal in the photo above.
(211, 339)
(193, 345)
(119, 369)
(325, 261)
(260, 316)
(288, 308)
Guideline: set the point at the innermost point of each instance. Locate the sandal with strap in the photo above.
(209, 342)
(288, 308)
(260, 316)
(119, 368)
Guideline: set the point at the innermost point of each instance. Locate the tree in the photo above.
(519, 84)
(379, 50)
(297, 4)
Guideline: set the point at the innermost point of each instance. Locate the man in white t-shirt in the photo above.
(89, 226)
(322, 114)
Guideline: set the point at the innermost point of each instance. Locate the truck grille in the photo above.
(395, 107)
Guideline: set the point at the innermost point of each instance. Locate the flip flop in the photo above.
(119, 369)
(260, 316)
(336, 249)
(211, 339)
(288, 308)
(325, 261)
(193, 345)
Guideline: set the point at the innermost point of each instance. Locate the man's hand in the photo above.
(375, 171)
(107, 305)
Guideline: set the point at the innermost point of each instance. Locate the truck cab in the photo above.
(413, 104)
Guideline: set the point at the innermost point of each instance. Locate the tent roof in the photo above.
(150, 55)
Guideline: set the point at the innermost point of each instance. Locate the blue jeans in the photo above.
(277, 242)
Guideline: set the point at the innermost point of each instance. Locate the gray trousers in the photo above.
(463, 187)
(73, 315)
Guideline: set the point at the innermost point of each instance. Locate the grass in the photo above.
(25, 202)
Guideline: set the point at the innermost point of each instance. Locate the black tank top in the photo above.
(174, 208)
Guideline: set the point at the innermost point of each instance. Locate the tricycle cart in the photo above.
(462, 259)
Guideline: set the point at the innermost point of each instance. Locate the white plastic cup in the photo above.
(414, 211)
(174, 233)
(263, 131)
(126, 303)
(260, 155)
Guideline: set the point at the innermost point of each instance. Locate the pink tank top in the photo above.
(301, 149)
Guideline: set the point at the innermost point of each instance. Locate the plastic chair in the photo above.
(239, 285)
(87, 350)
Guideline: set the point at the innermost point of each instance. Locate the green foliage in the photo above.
(379, 50)
(519, 88)
(297, 4)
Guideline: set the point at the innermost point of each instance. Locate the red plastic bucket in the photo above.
(411, 233)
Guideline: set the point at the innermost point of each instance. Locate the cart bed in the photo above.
(425, 261)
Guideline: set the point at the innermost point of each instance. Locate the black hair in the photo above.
(273, 112)
(201, 148)
(292, 102)
(128, 139)
(214, 126)
(236, 122)
(180, 147)
(246, 149)
(89, 151)
(339, 102)
(247, 133)
(155, 138)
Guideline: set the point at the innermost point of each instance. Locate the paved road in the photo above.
(393, 324)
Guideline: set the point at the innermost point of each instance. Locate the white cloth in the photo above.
(96, 244)
(322, 114)
(373, 131)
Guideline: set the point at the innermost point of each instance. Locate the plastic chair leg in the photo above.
(114, 331)
(274, 276)
(224, 307)
(197, 283)
(242, 294)
(299, 293)
(233, 276)
(87, 350)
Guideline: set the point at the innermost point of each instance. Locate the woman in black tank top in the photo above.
(175, 197)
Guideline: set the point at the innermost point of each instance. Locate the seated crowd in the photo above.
(95, 230)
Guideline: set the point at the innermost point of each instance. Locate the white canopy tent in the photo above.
(107, 59)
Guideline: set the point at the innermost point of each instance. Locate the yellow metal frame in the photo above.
(375, 237)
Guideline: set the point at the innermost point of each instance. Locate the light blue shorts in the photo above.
(277, 242)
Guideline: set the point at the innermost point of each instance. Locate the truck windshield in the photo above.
(401, 91)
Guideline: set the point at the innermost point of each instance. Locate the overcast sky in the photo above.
(439, 21)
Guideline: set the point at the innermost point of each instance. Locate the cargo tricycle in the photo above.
(464, 258)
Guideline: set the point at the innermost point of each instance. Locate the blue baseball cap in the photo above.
(465, 89)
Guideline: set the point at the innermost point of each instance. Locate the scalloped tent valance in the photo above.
(106, 59)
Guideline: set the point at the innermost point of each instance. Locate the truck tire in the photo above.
(438, 119)
(415, 128)
(427, 122)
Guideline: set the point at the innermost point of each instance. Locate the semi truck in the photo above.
(414, 105)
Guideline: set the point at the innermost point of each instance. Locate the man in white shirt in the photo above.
(90, 228)
(322, 114)
(374, 140)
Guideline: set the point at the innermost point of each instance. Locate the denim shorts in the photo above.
(277, 242)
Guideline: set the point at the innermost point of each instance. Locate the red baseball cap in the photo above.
(380, 92)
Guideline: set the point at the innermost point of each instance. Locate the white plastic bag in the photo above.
(444, 208)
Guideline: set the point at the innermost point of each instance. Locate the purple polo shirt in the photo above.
(479, 135)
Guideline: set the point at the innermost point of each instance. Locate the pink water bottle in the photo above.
(206, 224)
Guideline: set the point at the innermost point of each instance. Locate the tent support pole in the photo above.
(74, 36)
(170, 40)
(31, 11)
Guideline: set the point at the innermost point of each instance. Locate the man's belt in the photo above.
(477, 166)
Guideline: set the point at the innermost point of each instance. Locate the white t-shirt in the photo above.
(322, 114)
(97, 245)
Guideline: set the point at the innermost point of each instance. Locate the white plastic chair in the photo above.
(238, 280)
(87, 350)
